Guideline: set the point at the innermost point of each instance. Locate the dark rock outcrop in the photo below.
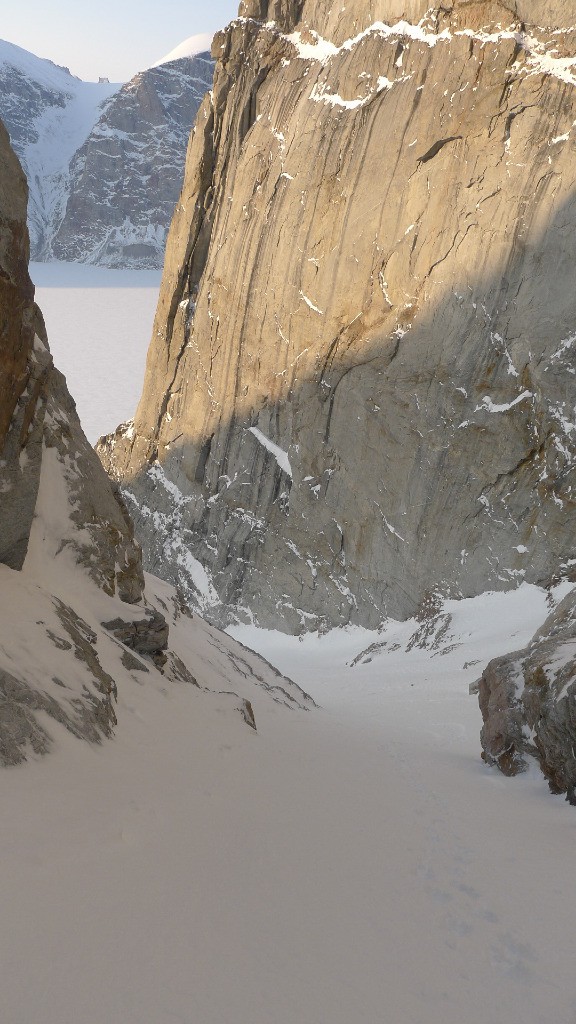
(54, 495)
(528, 703)
(360, 386)
(76, 623)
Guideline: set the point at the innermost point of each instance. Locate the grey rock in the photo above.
(24, 366)
(147, 636)
(68, 557)
(360, 386)
(528, 703)
(42, 445)
(90, 717)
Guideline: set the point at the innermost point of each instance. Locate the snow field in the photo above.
(99, 323)
(353, 863)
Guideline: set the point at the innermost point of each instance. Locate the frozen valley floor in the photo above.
(357, 862)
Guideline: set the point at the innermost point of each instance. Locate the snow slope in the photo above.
(356, 863)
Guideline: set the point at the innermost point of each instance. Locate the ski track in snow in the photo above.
(354, 863)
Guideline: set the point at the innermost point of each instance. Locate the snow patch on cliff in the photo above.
(279, 454)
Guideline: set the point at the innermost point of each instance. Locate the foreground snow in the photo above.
(351, 863)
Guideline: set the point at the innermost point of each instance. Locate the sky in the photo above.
(109, 38)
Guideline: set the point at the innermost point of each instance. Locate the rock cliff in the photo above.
(360, 386)
(76, 622)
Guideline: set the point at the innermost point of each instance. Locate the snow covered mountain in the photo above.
(49, 115)
(104, 162)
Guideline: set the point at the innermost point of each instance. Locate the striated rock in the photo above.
(360, 387)
(528, 703)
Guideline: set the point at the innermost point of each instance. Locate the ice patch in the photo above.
(279, 454)
(487, 405)
(310, 304)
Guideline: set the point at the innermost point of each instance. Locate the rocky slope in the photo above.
(76, 620)
(360, 387)
(104, 162)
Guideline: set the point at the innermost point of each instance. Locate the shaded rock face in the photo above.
(23, 367)
(126, 178)
(55, 499)
(16, 289)
(360, 387)
(104, 162)
(528, 703)
(39, 427)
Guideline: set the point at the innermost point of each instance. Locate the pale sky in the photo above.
(109, 38)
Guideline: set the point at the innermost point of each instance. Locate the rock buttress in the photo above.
(360, 385)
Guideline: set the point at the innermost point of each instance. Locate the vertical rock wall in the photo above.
(360, 386)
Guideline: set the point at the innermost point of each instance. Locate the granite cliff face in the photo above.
(104, 162)
(76, 621)
(360, 387)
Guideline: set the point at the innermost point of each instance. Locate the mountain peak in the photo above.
(190, 47)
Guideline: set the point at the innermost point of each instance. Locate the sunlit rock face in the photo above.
(361, 384)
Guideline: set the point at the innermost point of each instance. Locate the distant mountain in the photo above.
(49, 114)
(104, 161)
